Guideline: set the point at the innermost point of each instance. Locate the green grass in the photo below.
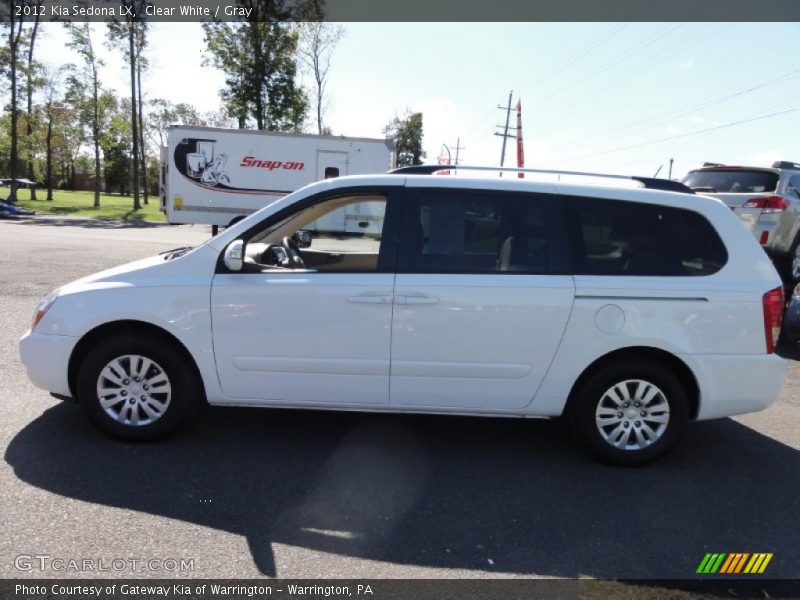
(80, 204)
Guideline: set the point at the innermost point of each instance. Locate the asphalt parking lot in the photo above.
(249, 492)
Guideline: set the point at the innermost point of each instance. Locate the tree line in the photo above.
(60, 123)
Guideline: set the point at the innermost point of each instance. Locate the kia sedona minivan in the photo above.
(628, 311)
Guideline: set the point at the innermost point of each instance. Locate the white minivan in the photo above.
(629, 311)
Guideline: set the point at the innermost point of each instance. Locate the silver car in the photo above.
(766, 200)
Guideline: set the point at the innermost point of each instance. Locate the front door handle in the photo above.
(370, 299)
(415, 300)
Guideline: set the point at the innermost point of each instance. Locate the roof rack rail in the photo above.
(785, 164)
(648, 182)
(713, 164)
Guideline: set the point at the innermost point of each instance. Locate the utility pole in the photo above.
(505, 135)
(458, 147)
(670, 169)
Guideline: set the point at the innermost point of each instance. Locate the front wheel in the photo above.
(135, 388)
(630, 413)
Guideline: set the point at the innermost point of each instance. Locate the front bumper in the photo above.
(734, 385)
(46, 359)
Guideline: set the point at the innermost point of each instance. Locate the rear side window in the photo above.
(453, 231)
(611, 237)
(732, 181)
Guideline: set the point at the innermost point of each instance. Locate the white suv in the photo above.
(628, 311)
(766, 200)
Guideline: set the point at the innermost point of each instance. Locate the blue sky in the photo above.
(612, 97)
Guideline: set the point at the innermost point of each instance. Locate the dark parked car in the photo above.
(791, 320)
(9, 209)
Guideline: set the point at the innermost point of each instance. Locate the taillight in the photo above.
(773, 313)
(768, 204)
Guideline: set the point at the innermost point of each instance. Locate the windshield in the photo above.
(734, 181)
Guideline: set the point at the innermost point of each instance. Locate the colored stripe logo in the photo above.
(734, 563)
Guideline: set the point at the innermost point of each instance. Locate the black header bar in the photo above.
(410, 10)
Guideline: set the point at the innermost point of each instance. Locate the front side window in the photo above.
(611, 237)
(338, 234)
(451, 231)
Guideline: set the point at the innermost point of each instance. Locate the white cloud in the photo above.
(687, 64)
(696, 120)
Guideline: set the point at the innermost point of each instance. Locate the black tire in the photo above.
(583, 406)
(179, 402)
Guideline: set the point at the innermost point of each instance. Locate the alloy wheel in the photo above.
(134, 390)
(632, 414)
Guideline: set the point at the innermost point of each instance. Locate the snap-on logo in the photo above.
(252, 161)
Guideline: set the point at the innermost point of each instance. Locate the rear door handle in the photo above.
(415, 300)
(370, 299)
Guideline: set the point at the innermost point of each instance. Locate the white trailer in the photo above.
(218, 176)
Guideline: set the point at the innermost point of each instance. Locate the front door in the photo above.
(314, 332)
(481, 299)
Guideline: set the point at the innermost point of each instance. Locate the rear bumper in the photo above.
(779, 229)
(734, 385)
(46, 358)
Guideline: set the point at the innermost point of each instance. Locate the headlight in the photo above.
(42, 309)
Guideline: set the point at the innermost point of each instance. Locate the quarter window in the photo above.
(612, 237)
(475, 232)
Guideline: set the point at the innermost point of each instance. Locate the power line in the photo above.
(615, 60)
(572, 59)
(685, 110)
(683, 135)
(637, 68)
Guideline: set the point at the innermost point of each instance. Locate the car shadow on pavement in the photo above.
(94, 223)
(497, 495)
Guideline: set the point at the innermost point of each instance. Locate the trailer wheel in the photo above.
(235, 221)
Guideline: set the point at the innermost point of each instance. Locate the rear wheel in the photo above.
(135, 387)
(630, 413)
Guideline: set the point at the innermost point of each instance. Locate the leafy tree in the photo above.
(130, 35)
(59, 121)
(317, 42)
(15, 30)
(141, 64)
(407, 136)
(30, 71)
(117, 142)
(164, 113)
(84, 92)
(258, 58)
(54, 115)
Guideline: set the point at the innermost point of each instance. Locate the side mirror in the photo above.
(303, 238)
(234, 256)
